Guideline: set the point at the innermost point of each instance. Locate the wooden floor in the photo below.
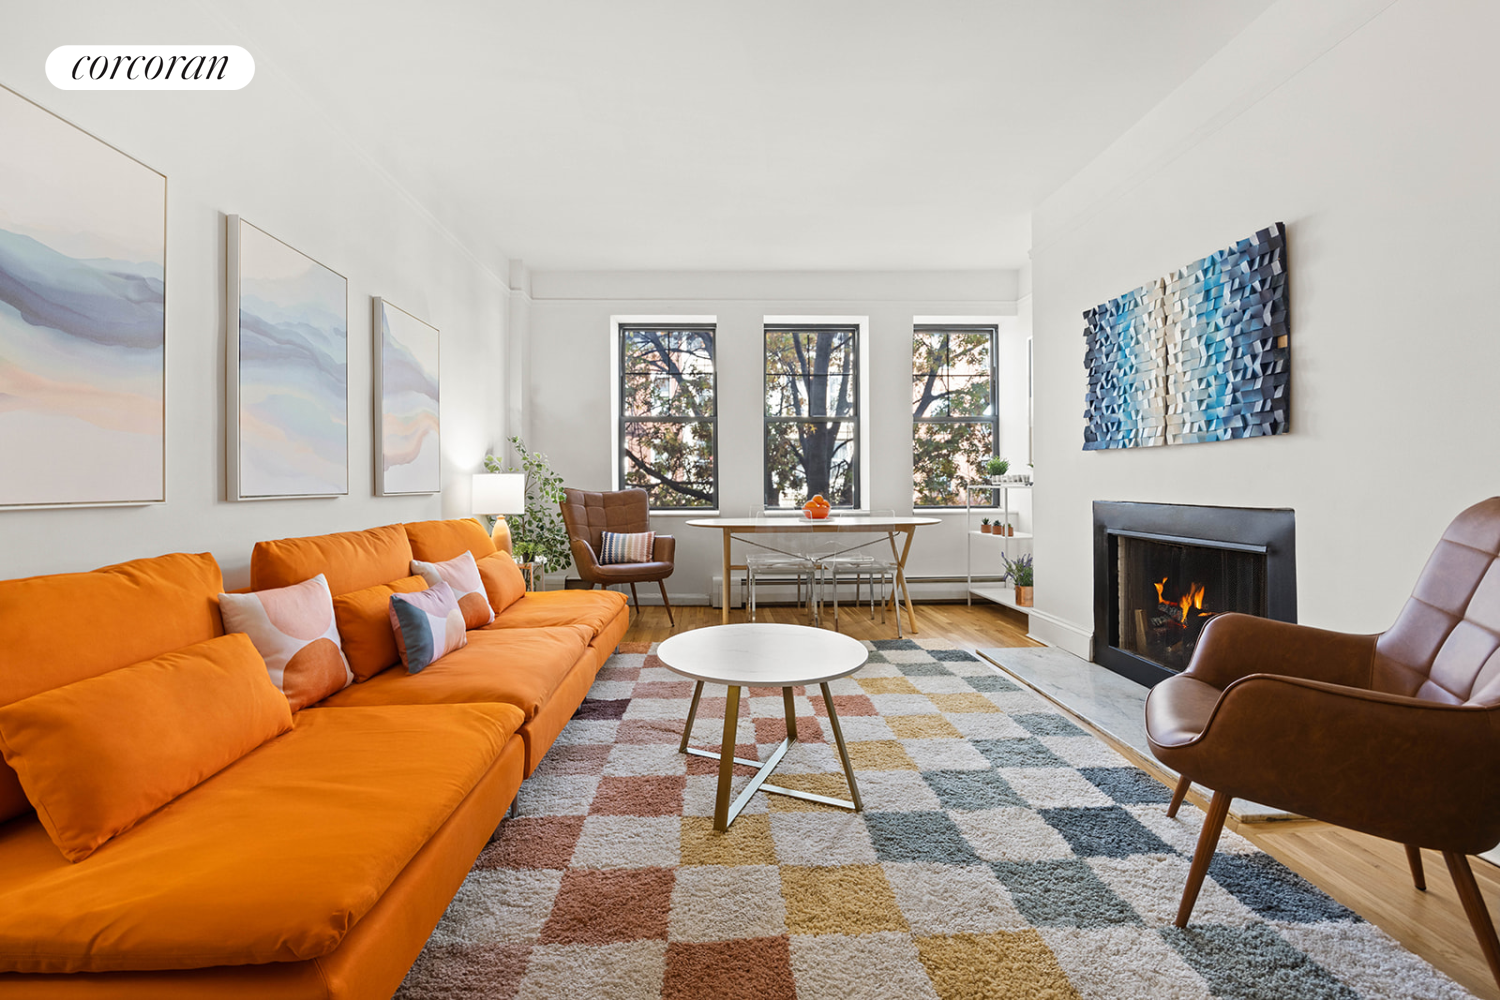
(1365, 874)
(984, 624)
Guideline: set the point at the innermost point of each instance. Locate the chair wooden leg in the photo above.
(636, 600)
(1180, 793)
(663, 585)
(1208, 839)
(1414, 861)
(1479, 914)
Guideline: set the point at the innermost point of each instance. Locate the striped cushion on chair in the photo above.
(626, 548)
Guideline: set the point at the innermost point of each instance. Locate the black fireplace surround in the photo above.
(1161, 571)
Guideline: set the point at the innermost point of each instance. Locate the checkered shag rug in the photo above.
(1003, 852)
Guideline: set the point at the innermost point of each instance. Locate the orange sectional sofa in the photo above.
(317, 865)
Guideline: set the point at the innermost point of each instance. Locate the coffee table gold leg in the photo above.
(791, 713)
(726, 758)
(838, 737)
(687, 730)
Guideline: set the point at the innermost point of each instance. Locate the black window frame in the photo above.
(993, 420)
(622, 459)
(854, 330)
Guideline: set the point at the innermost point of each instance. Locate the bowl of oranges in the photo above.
(817, 508)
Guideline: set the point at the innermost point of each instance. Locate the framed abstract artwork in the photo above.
(1201, 354)
(287, 371)
(407, 454)
(83, 322)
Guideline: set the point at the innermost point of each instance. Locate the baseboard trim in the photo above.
(1050, 630)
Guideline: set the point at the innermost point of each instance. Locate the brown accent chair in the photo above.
(589, 515)
(1395, 735)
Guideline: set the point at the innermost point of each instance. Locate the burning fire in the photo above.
(1192, 600)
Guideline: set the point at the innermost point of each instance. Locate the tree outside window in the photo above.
(812, 415)
(668, 418)
(955, 429)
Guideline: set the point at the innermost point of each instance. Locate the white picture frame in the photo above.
(83, 317)
(286, 385)
(406, 401)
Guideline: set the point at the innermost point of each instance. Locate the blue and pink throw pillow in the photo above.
(428, 626)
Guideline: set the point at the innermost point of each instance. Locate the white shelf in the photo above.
(1000, 595)
(991, 534)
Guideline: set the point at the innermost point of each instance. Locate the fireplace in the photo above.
(1162, 571)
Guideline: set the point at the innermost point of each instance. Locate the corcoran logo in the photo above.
(150, 67)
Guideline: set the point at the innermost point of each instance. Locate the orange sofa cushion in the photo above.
(520, 667)
(439, 541)
(539, 609)
(364, 618)
(274, 859)
(99, 755)
(62, 628)
(350, 560)
(13, 800)
(503, 583)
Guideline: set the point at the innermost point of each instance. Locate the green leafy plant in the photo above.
(985, 522)
(997, 467)
(539, 531)
(1019, 570)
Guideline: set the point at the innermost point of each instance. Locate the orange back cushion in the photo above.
(99, 755)
(439, 541)
(348, 560)
(503, 583)
(63, 628)
(364, 618)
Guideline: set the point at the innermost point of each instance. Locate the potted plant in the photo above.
(1019, 572)
(539, 531)
(995, 468)
(984, 526)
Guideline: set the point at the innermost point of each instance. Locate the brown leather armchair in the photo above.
(588, 515)
(1395, 735)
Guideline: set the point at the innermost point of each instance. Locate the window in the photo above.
(668, 415)
(954, 425)
(812, 415)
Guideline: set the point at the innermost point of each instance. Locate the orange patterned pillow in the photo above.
(462, 575)
(296, 633)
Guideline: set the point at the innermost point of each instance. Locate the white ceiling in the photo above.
(766, 135)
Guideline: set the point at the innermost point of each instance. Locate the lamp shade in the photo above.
(499, 493)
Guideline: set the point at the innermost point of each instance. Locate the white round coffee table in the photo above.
(763, 655)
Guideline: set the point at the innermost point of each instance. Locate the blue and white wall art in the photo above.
(1201, 354)
(288, 359)
(83, 252)
(407, 454)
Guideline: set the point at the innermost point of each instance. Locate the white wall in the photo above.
(267, 154)
(1367, 127)
(571, 376)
